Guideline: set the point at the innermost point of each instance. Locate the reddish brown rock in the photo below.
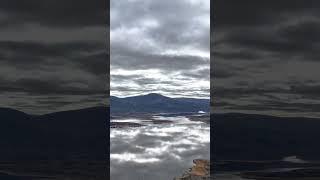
(199, 171)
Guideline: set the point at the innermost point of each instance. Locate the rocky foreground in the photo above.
(199, 171)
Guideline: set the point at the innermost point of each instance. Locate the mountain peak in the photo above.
(155, 95)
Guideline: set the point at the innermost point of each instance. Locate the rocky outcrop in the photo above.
(199, 171)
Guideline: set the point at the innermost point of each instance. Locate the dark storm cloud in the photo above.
(240, 54)
(35, 52)
(46, 103)
(35, 86)
(297, 40)
(53, 55)
(293, 107)
(265, 54)
(280, 28)
(306, 90)
(96, 63)
(159, 40)
(256, 13)
(46, 58)
(68, 13)
(221, 73)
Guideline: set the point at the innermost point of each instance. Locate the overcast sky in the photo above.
(266, 57)
(160, 47)
(53, 54)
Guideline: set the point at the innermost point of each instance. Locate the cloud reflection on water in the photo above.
(157, 151)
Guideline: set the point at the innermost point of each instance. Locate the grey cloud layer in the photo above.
(168, 37)
(69, 13)
(265, 57)
(53, 55)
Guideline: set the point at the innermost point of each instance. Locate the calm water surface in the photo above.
(157, 151)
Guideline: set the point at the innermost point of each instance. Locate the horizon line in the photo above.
(160, 95)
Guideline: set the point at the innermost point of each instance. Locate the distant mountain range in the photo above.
(55, 135)
(157, 103)
(238, 136)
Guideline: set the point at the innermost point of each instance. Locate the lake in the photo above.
(157, 151)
